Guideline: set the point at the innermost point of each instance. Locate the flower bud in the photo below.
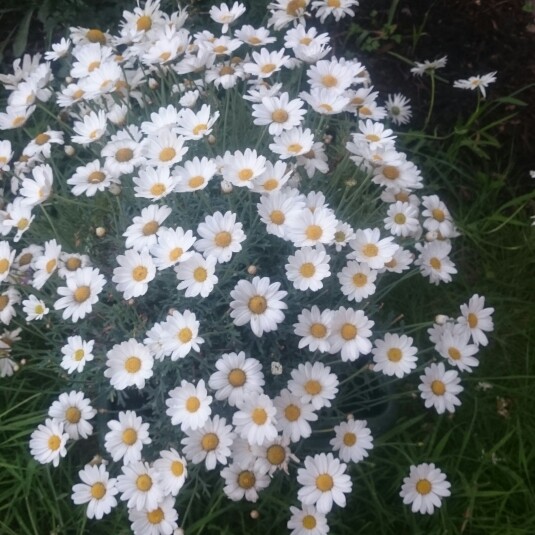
(100, 232)
(69, 150)
(276, 368)
(252, 269)
(226, 186)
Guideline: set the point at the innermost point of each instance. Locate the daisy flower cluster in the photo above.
(195, 237)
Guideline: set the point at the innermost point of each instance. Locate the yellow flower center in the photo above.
(245, 174)
(246, 479)
(435, 263)
(79, 355)
(95, 36)
(96, 177)
(93, 65)
(402, 196)
(329, 80)
(158, 189)
(292, 413)
(73, 415)
(144, 482)
(400, 219)
(198, 129)
(305, 41)
(279, 116)
(348, 331)
(98, 490)
(78, 94)
(185, 335)
(51, 265)
(177, 468)
(209, 442)
(223, 238)
(129, 436)
(254, 40)
(22, 224)
(423, 486)
(295, 148)
(175, 254)
(360, 280)
(313, 387)
(39, 309)
(164, 56)
(390, 172)
(327, 107)
(132, 364)
(124, 155)
(259, 416)
(192, 404)
(167, 154)
(150, 228)
(54, 442)
(438, 214)
(155, 516)
(333, 3)
(144, 23)
(81, 294)
(220, 49)
(196, 181)
(370, 250)
(394, 354)
(226, 70)
(307, 270)
(454, 353)
(270, 184)
(277, 217)
(268, 68)
(4, 265)
(309, 522)
(25, 259)
(200, 274)
(73, 263)
(294, 6)
(4, 300)
(324, 482)
(276, 454)
(372, 137)
(318, 330)
(438, 388)
(257, 304)
(18, 121)
(349, 439)
(314, 232)
(472, 320)
(41, 139)
(237, 377)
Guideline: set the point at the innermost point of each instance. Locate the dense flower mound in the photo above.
(208, 225)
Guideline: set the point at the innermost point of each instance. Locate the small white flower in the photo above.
(424, 488)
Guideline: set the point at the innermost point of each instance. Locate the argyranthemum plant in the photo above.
(207, 224)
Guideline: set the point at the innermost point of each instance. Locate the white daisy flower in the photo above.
(134, 273)
(307, 521)
(434, 261)
(439, 388)
(6, 259)
(18, 216)
(221, 236)
(34, 308)
(428, 67)
(314, 383)
(73, 410)
(337, 9)
(126, 437)
(225, 15)
(259, 303)
(324, 482)
(241, 168)
(142, 233)
(8, 299)
(265, 63)
(357, 281)
(368, 247)
(128, 364)
(37, 190)
(312, 228)
(76, 353)
(293, 416)
(401, 261)
(438, 218)
(279, 208)
(293, 142)
(197, 125)
(352, 441)
(164, 149)
(255, 418)
(157, 520)
(59, 50)
(6, 154)
(189, 405)
(375, 134)
(325, 101)
(280, 113)
(314, 160)
(454, 347)
(314, 327)
(173, 246)
(402, 219)
(394, 355)
(307, 268)
(477, 319)
(197, 275)
(90, 129)
(139, 485)
(244, 481)
(47, 443)
(424, 488)
(254, 36)
(163, 120)
(210, 444)
(332, 75)
(194, 175)
(237, 377)
(173, 471)
(273, 178)
(90, 178)
(274, 455)
(181, 335)
(80, 294)
(399, 109)
(69, 263)
(351, 331)
(154, 183)
(480, 82)
(97, 489)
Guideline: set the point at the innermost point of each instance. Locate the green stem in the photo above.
(432, 101)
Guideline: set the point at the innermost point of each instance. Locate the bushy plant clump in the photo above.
(204, 228)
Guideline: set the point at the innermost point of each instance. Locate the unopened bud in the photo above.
(226, 186)
(276, 368)
(432, 235)
(100, 232)
(254, 514)
(153, 84)
(212, 139)
(69, 150)
(115, 189)
(441, 319)
(252, 269)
